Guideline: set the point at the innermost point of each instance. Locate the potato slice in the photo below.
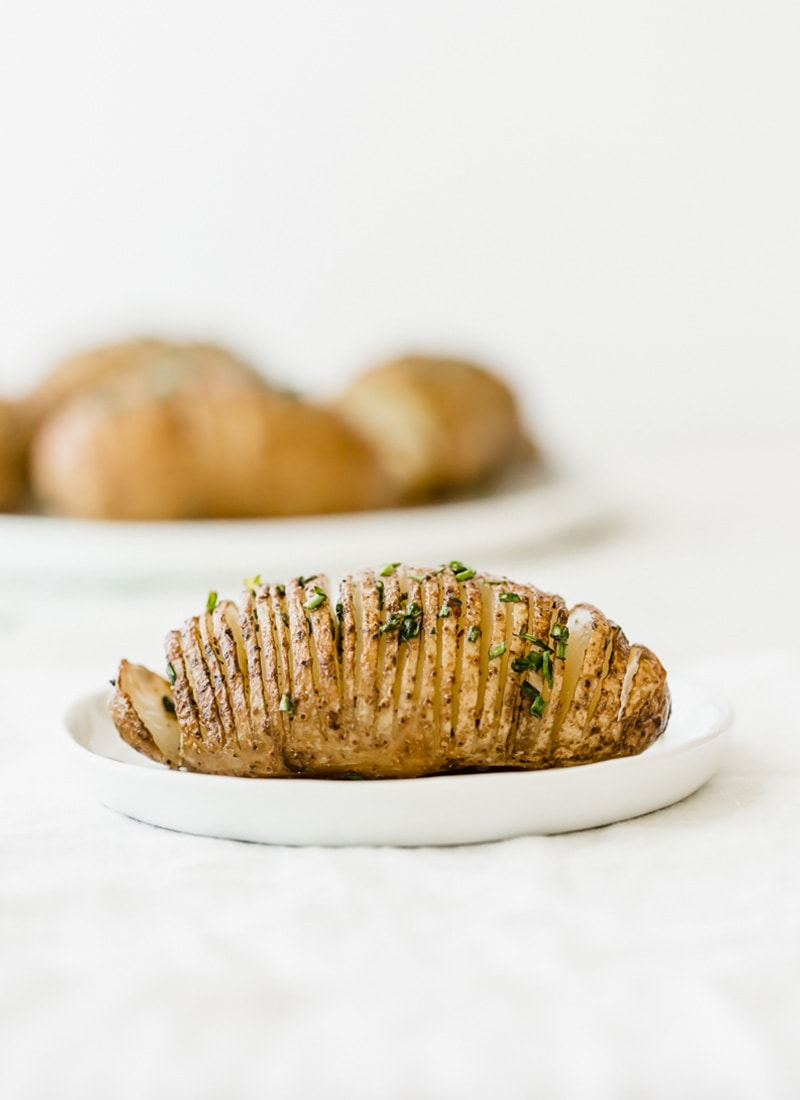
(193, 749)
(538, 702)
(217, 679)
(230, 648)
(449, 620)
(142, 706)
(590, 635)
(409, 745)
(215, 734)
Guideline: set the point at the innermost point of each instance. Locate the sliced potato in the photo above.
(413, 672)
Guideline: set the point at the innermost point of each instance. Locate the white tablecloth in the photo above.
(658, 957)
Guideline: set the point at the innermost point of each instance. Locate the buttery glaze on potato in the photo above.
(404, 673)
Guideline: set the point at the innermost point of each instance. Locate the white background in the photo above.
(599, 198)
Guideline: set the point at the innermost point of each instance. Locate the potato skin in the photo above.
(439, 424)
(15, 430)
(227, 454)
(381, 695)
(149, 367)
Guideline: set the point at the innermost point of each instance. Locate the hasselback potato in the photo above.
(405, 672)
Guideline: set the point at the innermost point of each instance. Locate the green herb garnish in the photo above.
(281, 590)
(412, 621)
(319, 597)
(537, 700)
(510, 597)
(211, 601)
(538, 705)
(444, 611)
(171, 677)
(389, 568)
(303, 581)
(465, 575)
(547, 668)
(392, 623)
(407, 621)
(286, 704)
(252, 582)
(535, 640)
(560, 634)
(340, 611)
(474, 634)
(533, 661)
(497, 650)
(354, 775)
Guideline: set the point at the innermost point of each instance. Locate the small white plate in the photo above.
(455, 809)
(526, 509)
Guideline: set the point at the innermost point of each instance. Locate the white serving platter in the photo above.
(526, 510)
(439, 810)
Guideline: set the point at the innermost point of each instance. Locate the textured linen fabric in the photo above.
(657, 957)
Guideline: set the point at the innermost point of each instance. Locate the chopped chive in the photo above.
(392, 623)
(457, 566)
(340, 611)
(316, 600)
(444, 611)
(538, 705)
(524, 664)
(286, 704)
(465, 574)
(561, 650)
(535, 640)
(354, 775)
(389, 568)
(414, 577)
(474, 634)
(497, 650)
(171, 677)
(510, 597)
(303, 581)
(493, 580)
(410, 628)
(252, 582)
(167, 704)
(379, 586)
(211, 601)
(280, 590)
(403, 597)
(547, 669)
(538, 701)
(559, 632)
